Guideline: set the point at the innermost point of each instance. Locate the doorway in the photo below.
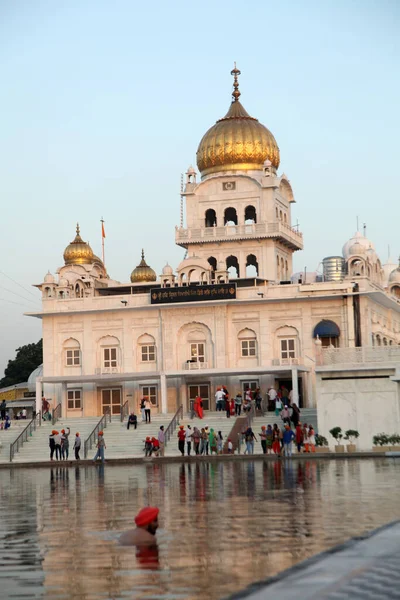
(111, 401)
(150, 391)
(287, 383)
(202, 390)
(252, 385)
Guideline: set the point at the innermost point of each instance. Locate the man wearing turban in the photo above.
(146, 526)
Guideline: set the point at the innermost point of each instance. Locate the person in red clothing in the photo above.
(198, 407)
(299, 436)
(232, 407)
(276, 444)
(156, 446)
(181, 439)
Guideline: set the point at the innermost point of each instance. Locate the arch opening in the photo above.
(232, 266)
(210, 218)
(230, 216)
(250, 215)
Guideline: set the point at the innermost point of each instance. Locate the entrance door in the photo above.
(111, 401)
(150, 391)
(287, 383)
(252, 385)
(202, 390)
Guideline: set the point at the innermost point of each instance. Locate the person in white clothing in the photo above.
(219, 399)
(272, 394)
(189, 434)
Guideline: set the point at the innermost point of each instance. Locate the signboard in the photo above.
(198, 293)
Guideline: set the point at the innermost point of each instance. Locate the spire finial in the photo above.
(77, 229)
(142, 254)
(235, 72)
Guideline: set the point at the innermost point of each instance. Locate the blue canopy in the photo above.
(326, 329)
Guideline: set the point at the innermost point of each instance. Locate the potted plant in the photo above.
(350, 435)
(394, 441)
(337, 434)
(380, 441)
(321, 443)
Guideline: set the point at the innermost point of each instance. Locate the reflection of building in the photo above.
(232, 313)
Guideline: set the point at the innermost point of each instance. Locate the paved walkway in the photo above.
(361, 569)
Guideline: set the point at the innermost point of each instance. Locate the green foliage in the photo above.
(394, 439)
(320, 440)
(380, 439)
(336, 433)
(27, 359)
(350, 435)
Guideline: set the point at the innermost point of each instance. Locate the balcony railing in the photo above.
(236, 232)
(194, 366)
(282, 362)
(350, 356)
(107, 370)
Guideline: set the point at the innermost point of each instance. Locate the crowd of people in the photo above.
(276, 440)
(59, 444)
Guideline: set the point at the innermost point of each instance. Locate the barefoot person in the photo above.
(146, 526)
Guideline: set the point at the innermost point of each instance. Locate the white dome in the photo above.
(387, 270)
(38, 372)
(356, 249)
(167, 270)
(394, 276)
(194, 261)
(357, 238)
(49, 278)
(63, 282)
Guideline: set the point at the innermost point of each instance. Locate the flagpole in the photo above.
(102, 240)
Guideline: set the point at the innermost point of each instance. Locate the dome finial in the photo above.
(235, 94)
(142, 254)
(77, 229)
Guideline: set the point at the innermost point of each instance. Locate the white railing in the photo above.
(281, 362)
(194, 366)
(349, 356)
(239, 231)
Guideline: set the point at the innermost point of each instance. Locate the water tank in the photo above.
(333, 268)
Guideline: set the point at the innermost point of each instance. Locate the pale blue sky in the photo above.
(103, 105)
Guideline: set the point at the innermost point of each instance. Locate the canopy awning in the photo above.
(326, 329)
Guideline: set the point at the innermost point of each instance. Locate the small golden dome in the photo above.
(143, 273)
(237, 141)
(78, 252)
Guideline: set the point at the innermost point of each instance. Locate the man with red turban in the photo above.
(146, 526)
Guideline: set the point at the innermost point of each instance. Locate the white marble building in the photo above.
(250, 321)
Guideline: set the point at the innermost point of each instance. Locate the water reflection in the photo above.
(223, 524)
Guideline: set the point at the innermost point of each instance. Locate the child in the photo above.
(230, 446)
(311, 438)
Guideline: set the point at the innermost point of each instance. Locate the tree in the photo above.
(28, 358)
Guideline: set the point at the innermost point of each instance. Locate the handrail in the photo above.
(23, 436)
(56, 414)
(173, 423)
(102, 424)
(124, 410)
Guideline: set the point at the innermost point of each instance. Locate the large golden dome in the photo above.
(78, 252)
(143, 273)
(237, 141)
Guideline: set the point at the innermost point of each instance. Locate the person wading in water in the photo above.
(146, 526)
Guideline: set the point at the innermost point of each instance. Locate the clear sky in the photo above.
(103, 105)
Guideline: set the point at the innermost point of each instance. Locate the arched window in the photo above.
(278, 268)
(280, 215)
(213, 262)
(146, 348)
(328, 332)
(250, 215)
(385, 342)
(251, 266)
(286, 270)
(61, 295)
(72, 353)
(230, 216)
(110, 354)
(395, 291)
(47, 292)
(197, 345)
(232, 266)
(78, 290)
(378, 340)
(284, 218)
(277, 212)
(356, 268)
(287, 340)
(248, 343)
(210, 218)
(282, 269)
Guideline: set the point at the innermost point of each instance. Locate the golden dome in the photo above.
(237, 141)
(143, 273)
(78, 252)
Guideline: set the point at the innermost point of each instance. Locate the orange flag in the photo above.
(103, 233)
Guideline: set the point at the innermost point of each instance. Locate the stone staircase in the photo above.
(9, 436)
(36, 449)
(215, 420)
